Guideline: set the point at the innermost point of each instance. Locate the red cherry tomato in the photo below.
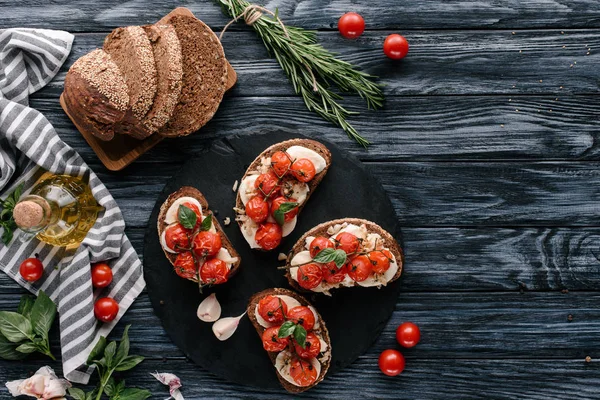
(391, 362)
(207, 244)
(185, 266)
(101, 275)
(333, 274)
(395, 46)
(303, 372)
(288, 216)
(408, 334)
(347, 242)
(319, 243)
(268, 236)
(380, 262)
(351, 25)
(312, 346)
(106, 309)
(304, 170)
(31, 269)
(267, 184)
(271, 340)
(257, 209)
(177, 237)
(214, 271)
(359, 268)
(272, 309)
(280, 162)
(309, 276)
(302, 315)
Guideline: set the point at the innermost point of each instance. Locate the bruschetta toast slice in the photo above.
(294, 335)
(193, 240)
(275, 189)
(344, 253)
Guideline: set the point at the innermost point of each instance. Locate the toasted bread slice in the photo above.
(322, 230)
(273, 355)
(282, 146)
(188, 191)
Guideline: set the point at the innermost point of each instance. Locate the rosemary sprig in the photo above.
(309, 66)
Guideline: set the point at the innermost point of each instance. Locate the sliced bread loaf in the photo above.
(131, 50)
(204, 74)
(95, 94)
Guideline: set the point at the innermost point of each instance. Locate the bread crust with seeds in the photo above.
(253, 302)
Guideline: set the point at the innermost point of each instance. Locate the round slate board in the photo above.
(355, 317)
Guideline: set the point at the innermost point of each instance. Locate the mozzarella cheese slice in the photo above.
(172, 212)
(249, 229)
(297, 152)
(288, 227)
(358, 231)
(302, 257)
(246, 189)
(283, 364)
(225, 256)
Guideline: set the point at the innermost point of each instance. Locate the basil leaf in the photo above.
(15, 327)
(27, 348)
(187, 217)
(25, 305)
(97, 351)
(279, 217)
(286, 329)
(91, 395)
(300, 336)
(134, 394)
(16, 195)
(109, 388)
(42, 314)
(109, 354)
(7, 235)
(77, 393)
(8, 350)
(129, 362)
(123, 350)
(119, 387)
(206, 223)
(283, 209)
(328, 255)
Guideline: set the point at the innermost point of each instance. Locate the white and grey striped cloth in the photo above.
(29, 146)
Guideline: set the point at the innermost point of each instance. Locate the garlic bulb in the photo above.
(210, 309)
(226, 327)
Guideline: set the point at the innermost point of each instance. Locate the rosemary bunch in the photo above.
(311, 68)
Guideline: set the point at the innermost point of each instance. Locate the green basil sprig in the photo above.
(6, 215)
(187, 217)
(207, 223)
(26, 331)
(328, 255)
(283, 209)
(297, 331)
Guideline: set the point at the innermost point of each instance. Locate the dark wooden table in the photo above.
(488, 147)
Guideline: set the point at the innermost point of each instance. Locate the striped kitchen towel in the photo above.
(29, 146)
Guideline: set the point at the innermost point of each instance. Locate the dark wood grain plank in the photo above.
(89, 15)
(447, 62)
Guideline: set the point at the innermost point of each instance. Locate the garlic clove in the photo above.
(226, 327)
(210, 309)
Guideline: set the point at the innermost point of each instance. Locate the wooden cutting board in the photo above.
(122, 150)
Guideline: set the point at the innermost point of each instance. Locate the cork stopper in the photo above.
(28, 214)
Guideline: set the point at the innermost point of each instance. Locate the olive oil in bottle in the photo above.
(60, 210)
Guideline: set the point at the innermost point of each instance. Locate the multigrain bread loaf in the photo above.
(95, 94)
(131, 50)
(204, 74)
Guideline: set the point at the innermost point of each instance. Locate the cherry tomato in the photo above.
(359, 268)
(207, 244)
(309, 276)
(280, 162)
(271, 340)
(379, 261)
(312, 346)
(351, 25)
(272, 309)
(106, 309)
(214, 271)
(102, 275)
(319, 243)
(177, 237)
(333, 274)
(288, 216)
(303, 169)
(391, 362)
(302, 315)
(268, 236)
(31, 269)
(408, 334)
(303, 372)
(267, 184)
(185, 266)
(257, 209)
(347, 242)
(395, 46)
